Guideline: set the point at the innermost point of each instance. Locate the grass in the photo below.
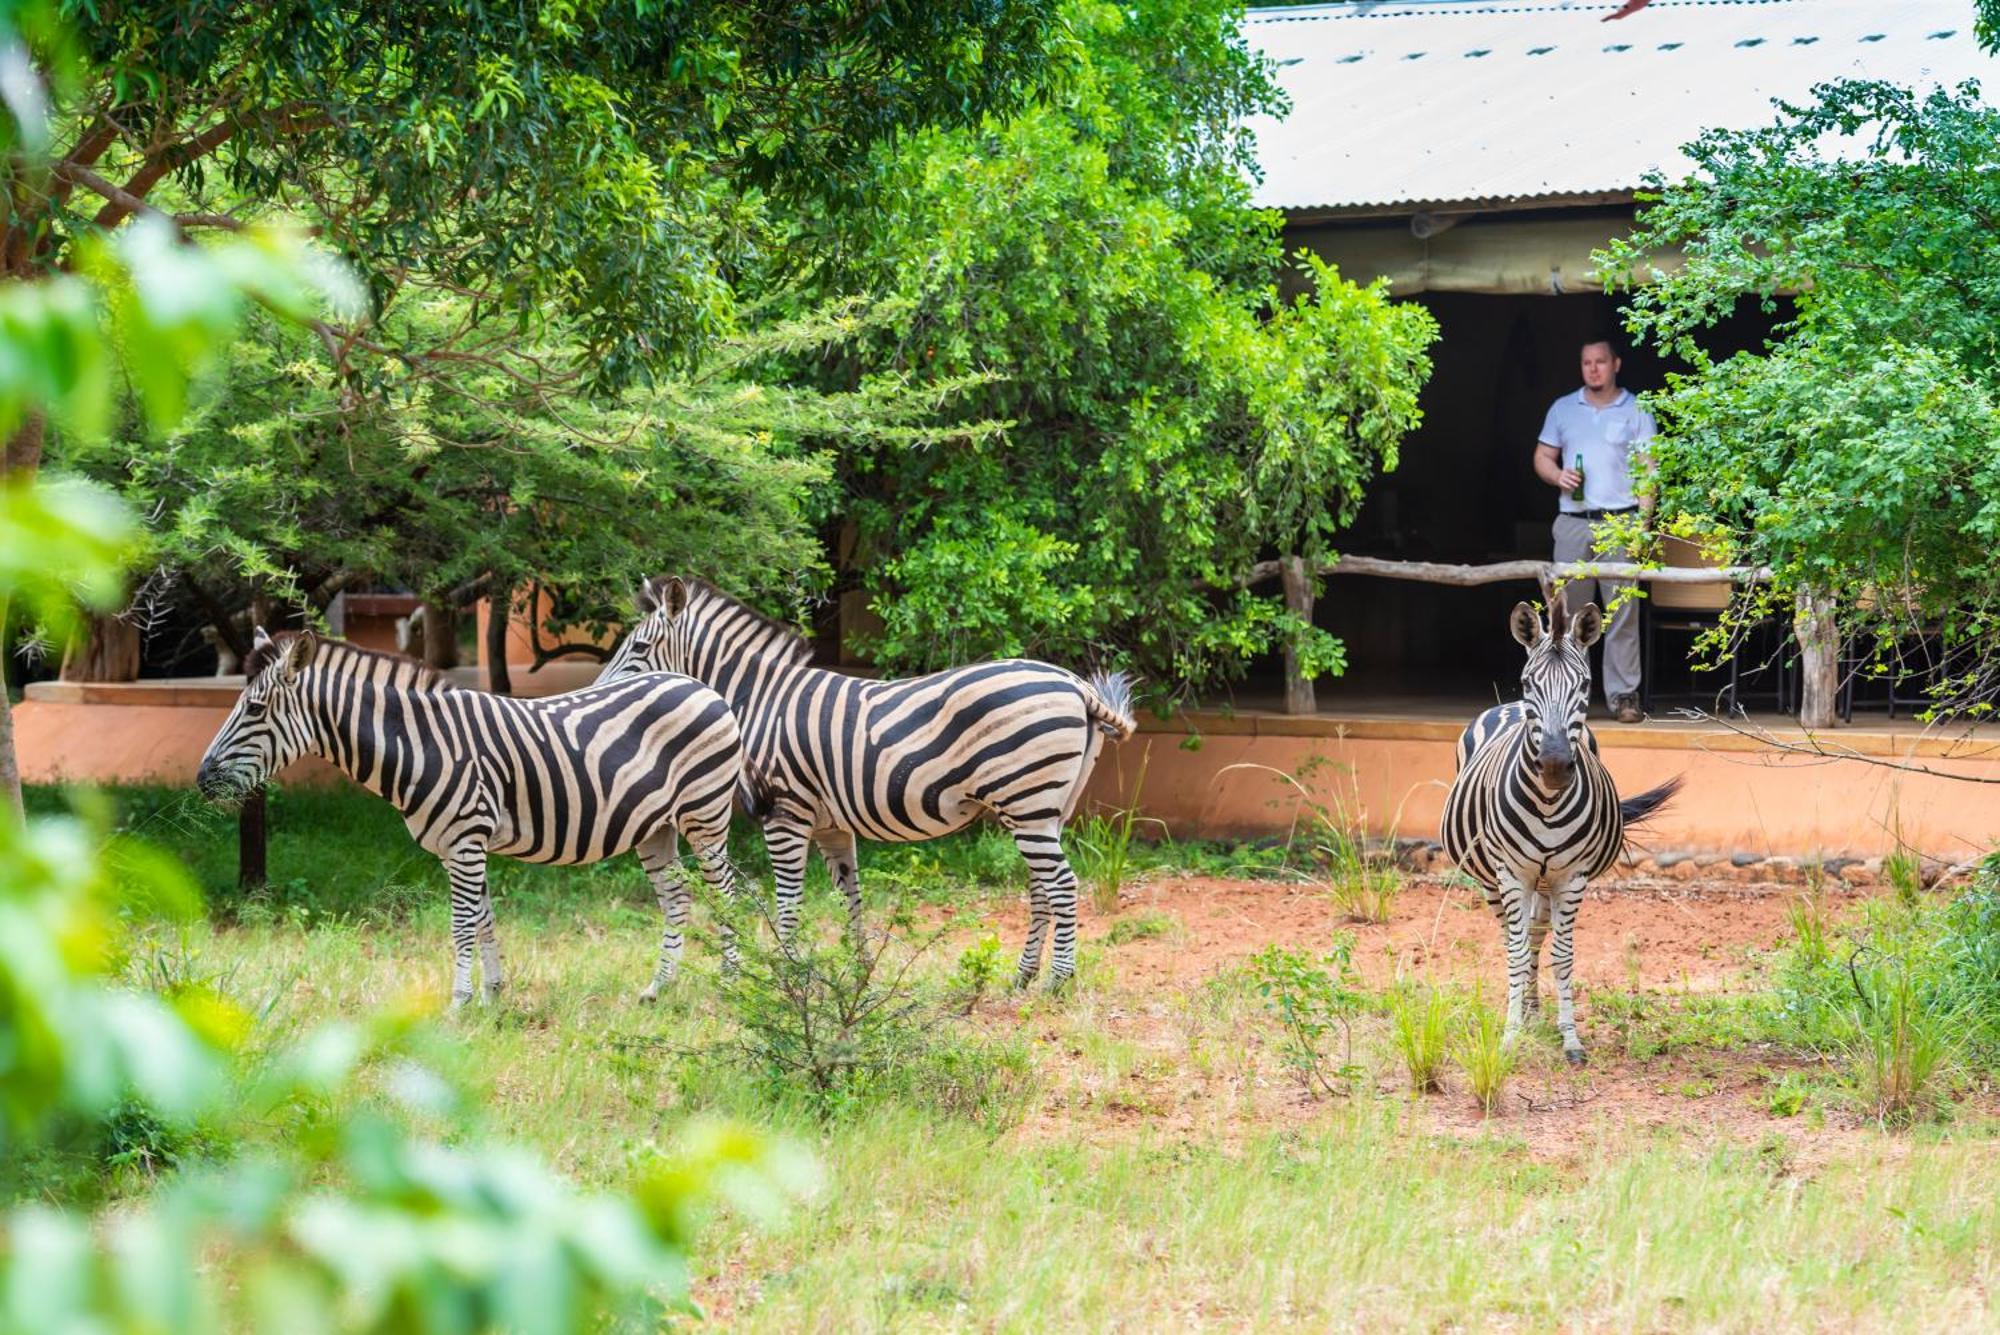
(1420, 1021)
(1484, 1054)
(1133, 1155)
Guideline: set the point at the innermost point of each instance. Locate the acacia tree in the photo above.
(588, 164)
(277, 484)
(576, 182)
(1857, 456)
(1172, 419)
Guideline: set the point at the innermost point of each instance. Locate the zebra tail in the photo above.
(1109, 704)
(1637, 809)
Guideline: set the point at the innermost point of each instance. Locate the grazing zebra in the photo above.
(1533, 814)
(568, 779)
(897, 761)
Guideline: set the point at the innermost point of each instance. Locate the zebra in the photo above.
(897, 761)
(568, 779)
(1533, 814)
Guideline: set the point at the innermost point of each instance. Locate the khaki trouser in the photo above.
(1575, 541)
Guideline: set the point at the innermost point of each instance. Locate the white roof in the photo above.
(1397, 105)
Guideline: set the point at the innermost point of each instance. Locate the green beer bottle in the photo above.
(1576, 466)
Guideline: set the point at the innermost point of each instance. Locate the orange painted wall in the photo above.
(1237, 784)
(1392, 773)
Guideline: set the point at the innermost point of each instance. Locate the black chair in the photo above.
(1692, 610)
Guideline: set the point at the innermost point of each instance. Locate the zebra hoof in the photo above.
(1023, 981)
(458, 1000)
(1575, 1056)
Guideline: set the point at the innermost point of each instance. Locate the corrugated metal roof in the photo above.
(1426, 102)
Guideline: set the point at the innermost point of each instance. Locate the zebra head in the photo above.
(656, 643)
(1555, 684)
(269, 728)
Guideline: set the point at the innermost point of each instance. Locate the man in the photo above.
(1590, 442)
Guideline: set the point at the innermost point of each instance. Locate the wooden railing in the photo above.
(1818, 645)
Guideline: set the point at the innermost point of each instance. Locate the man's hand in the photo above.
(1549, 468)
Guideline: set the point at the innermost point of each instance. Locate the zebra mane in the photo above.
(798, 649)
(411, 673)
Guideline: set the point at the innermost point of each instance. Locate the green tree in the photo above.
(1172, 419)
(1857, 455)
(548, 205)
(595, 165)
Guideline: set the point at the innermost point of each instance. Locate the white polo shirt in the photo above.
(1605, 439)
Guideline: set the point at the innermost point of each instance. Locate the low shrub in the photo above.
(1312, 1000)
(1484, 1055)
(1420, 1021)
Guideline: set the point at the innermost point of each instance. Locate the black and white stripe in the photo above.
(897, 761)
(570, 779)
(1533, 814)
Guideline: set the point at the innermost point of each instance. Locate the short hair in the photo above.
(1608, 339)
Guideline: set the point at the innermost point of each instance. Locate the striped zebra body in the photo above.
(569, 779)
(896, 761)
(1533, 815)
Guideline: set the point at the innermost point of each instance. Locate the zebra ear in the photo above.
(643, 600)
(672, 595)
(1526, 624)
(260, 640)
(300, 653)
(1586, 626)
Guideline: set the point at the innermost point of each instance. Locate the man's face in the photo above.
(1600, 368)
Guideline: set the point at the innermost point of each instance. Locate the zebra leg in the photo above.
(1561, 956)
(711, 850)
(1538, 930)
(470, 910)
(663, 870)
(836, 848)
(1514, 900)
(788, 843)
(1052, 880)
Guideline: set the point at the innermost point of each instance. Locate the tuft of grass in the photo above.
(1903, 1044)
(1145, 925)
(1103, 847)
(1365, 893)
(1484, 1055)
(1420, 1022)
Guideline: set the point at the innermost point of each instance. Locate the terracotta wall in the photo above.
(1255, 775)
(1394, 777)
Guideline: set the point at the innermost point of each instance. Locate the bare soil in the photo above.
(1180, 1073)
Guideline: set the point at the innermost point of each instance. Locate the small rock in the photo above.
(1745, 859)
(1836, 866)
(1859, 873)
(1706, 859)
(1668, 861)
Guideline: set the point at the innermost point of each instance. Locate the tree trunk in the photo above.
(499, 608)
(10, 766)
(24, 447)
(1299, 697)
(1819, 659)
(251, 848)
(23, 456)
(440, 636)
(107, 649)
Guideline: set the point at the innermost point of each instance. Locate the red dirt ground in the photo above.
(1669, 939)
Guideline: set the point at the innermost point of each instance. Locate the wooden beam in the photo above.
(1501, 572)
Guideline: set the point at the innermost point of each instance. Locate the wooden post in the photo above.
(251, 848)
(499, 607)
(1819, 659)
(1298, 601)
